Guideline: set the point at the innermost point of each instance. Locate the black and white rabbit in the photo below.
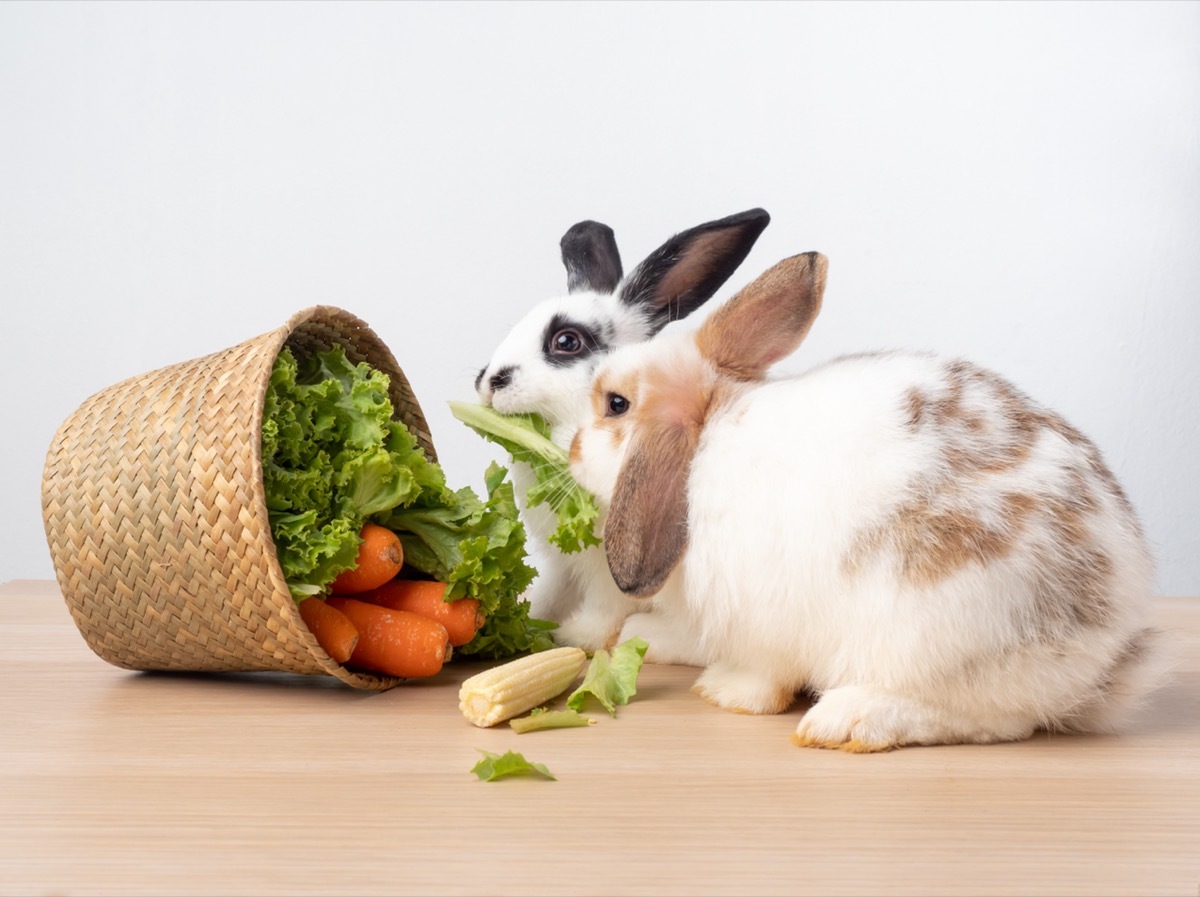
(930, 553)
(545, 365)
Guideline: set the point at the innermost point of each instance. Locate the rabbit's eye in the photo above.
(615, 405)
(567, 342)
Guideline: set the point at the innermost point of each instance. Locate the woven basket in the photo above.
(152, 497)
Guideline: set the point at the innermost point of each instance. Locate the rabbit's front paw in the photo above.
(852, 719)
(742, 691)
(861, 719)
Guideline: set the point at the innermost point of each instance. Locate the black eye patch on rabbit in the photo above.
(570, 341)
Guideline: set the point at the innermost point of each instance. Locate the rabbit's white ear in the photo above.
(645, 532)
(589, 253)
(767, 320)
(683, 273)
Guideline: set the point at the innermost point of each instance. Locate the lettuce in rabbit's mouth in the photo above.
(526, 437)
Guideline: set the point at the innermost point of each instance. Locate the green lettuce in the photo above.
(611, 680)
(526, 437)
(541, 718)
(334, 458)
(507, 765)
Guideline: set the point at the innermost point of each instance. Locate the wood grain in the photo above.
(122, 783)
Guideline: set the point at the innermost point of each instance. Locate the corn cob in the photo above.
(512, 688)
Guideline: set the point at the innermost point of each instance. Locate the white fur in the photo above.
(787, 475)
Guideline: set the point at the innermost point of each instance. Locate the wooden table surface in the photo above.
(113, 782)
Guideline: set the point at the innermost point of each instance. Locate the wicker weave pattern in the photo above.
(153, 503)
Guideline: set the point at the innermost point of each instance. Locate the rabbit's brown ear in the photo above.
(646, 529)
(589, 253)
(767, 320)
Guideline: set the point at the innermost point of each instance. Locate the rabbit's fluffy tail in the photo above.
(1139, 669)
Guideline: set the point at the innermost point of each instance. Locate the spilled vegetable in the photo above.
(611, 680)
(508, 690)
(508, 765)
(540, 718)
(503, 692)
(336, 463)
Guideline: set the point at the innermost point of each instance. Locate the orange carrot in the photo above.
(380, 557)
(332, 628)
(395, 642)
(461, 617)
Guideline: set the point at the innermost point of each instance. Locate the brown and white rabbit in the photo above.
(545, 365)
(932, 555)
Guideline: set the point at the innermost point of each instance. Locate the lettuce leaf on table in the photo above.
(526, 437)
(507, 765)
(540, 718)
(611, 680)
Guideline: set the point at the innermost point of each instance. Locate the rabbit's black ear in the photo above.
(683, 273)
(589, 253)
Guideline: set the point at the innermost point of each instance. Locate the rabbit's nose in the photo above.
(501, 378)
(479, 378)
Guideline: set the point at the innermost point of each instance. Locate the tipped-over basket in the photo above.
(152, 497)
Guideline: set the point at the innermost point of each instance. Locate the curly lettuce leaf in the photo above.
(332, 457)
(428, 475)
(358, 412)
(507, 765)
(308, 550)
(526, 437)
(373, 481)
(611, 680)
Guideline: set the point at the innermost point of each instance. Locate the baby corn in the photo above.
(512, 688)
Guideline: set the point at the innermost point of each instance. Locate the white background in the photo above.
(1018, 183)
